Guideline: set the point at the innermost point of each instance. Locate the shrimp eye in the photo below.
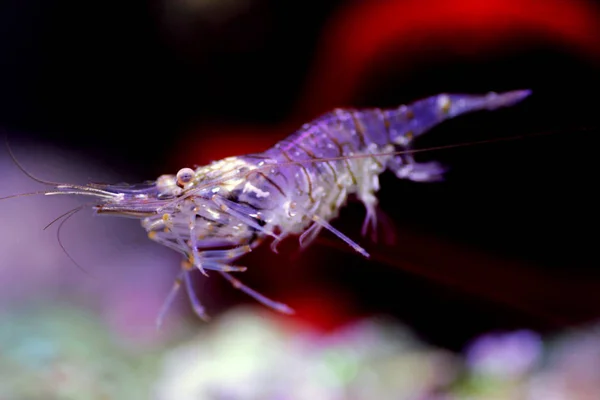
(185, 175)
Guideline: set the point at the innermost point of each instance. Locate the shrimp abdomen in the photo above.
(407, 122)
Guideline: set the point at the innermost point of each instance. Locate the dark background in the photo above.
(509, 240)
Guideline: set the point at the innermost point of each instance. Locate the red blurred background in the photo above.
(157, 85)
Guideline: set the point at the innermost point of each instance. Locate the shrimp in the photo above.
(215, 214)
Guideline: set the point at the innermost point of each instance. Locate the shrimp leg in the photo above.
(183, 277)
(213, 259)
(169, 299)
(196, 305)
(218, 260)
(405, 167)
(367, 196)
(282, 308)
(309, 235)
(339, 234)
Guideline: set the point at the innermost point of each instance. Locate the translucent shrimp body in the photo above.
(215, 214)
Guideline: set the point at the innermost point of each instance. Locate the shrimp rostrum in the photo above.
(215, 214)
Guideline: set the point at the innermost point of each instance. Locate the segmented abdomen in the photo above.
(353, 143)
(323, 186)
(343, 136)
